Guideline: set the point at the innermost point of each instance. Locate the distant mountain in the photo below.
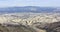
(34, 9)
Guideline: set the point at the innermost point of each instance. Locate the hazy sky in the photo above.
(43, 3)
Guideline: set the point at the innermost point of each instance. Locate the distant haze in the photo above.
(33, 9)
(41, 3)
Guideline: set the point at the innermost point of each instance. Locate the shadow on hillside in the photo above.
(52, 27)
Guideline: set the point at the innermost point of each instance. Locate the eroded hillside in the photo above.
(29, 21)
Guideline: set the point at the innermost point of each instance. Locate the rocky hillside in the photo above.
(32, 22)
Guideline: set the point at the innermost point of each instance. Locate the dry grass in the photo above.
(15, 29)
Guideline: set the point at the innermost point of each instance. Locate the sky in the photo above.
(41, 3)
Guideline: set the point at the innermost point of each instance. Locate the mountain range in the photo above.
(34, 9)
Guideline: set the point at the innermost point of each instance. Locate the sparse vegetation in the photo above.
(33, 23)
